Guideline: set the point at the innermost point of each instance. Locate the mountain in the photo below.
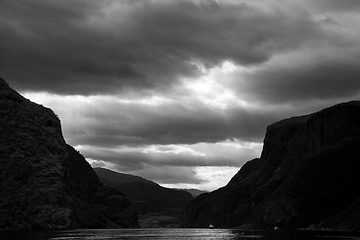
(149, 198)
(192, 191)
(45, 183)
(306, 177)
(107, 175)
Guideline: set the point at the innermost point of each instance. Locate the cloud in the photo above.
(109, 121)
(158, 137)
(93, 47)
(171, 90)
(167, 174)
(313, 75)
(97, 163)
(228, 153)
(336, 6)
(171, 175)
(170, 164)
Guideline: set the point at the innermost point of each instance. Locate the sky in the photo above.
(179, 91)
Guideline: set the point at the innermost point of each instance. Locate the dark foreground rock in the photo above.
(157, 206)
(45, 183)
(307, 177)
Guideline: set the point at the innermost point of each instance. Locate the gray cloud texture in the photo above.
(140, 125)
(337, 6)
(91, 47)
(109, 122)
(135, 158)
(327, 75)
(107, 60)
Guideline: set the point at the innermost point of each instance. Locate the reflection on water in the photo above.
(176, 234)
(150, 234)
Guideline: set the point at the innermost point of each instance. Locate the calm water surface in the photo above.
(176, 234)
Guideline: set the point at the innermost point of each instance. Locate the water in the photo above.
(174, 234)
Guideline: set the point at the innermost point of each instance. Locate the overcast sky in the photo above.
(179, 91)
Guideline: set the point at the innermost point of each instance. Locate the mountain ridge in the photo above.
(134, 178)
(121, 177)
(142, 191)
(157, 206)
(45, 183)
(193, 191)
(302, 179)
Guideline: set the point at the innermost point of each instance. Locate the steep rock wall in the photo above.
(45, 183)
(306, 174)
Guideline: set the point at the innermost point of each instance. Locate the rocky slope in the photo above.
(153, 202)
(306, 177)
(45, 183)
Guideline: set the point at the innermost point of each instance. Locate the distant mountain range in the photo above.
(151, 200)
(306, 177)
(45, 183)
(192, 191)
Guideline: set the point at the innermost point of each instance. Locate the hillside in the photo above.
(306, 177)
(151, 200)
(193, 192)
(45, 183)
(116, 177)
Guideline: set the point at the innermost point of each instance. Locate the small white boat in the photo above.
(211, 226)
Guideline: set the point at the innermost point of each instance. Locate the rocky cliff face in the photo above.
(306, 177)
(45, 183)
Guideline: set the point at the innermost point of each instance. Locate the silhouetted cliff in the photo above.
(45, 183)
(306, 177)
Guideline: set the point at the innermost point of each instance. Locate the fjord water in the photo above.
(175, 234)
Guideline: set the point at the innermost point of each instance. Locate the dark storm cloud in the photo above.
(87, 47)
(317, 76)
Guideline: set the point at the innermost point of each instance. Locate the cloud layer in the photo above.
(168, 89)
(92, 47)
